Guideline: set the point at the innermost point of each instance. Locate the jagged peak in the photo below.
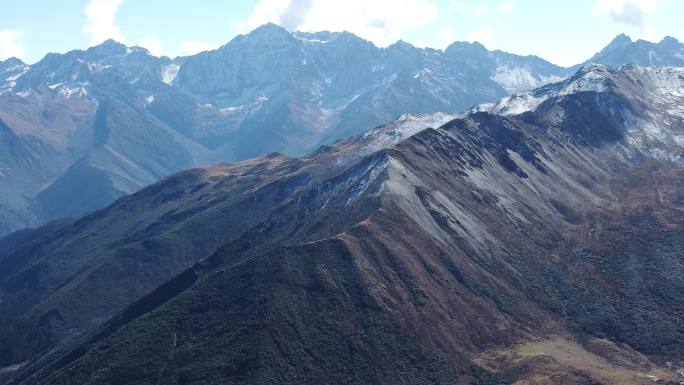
(269, 29)
(464, 46)
(268, 32)
(12, 62)
(592, 67)
(402, 43)
(109, 46)
(621, 39)
(669, 42)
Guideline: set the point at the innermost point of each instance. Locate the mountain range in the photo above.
(80, 129)
(541, 246)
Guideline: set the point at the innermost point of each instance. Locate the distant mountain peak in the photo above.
(402, 45)
(623, 50)
(669, 42)
(109, 46)
(466, 47)
(269, 33)
(11, 62)
(269, 29)
(620, 39)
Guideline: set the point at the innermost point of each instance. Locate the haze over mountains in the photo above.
(78, 130)
(541, 246)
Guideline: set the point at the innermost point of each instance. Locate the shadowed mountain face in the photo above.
(80, 129)
(542, 247)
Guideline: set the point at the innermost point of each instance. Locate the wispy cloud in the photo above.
(468, 8)
(10, 43)
(447, 35)
(629, 12)
(481, 34)
(100, 20)
(506, 6)
(153, 44)
(381, 21)
(295, 14)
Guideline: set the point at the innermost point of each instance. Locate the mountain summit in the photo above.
(622, 50)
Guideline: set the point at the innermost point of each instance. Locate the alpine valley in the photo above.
(81, 129)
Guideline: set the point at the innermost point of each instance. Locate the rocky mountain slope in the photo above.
(83, 128)
(622, 50)
(542, 247)
(80, 129)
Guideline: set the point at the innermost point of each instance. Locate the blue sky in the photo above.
(564, 32)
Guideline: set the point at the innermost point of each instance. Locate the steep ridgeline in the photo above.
(78, 130)
(622, 50)
(541, 247)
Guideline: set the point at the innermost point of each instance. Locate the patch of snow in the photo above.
(405, 126)
(68, 92)
(261, 98)
(228, 110)
(311, 41)
(517, 104)
(97, 67)
(519, 79)
(25, 94)
(149, 100)
(12, 368)
(388, 80)
(54, 86)
(169, 73)
(514, 79)
(14, 77)
(594, 79)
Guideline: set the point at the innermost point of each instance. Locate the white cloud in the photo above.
(630, 12)
(100, 16)
(380, 21)
(10, 45)
(153, 44)
(447, 35)
(192, 47)
(468, 8)
(481, 34)
(479, 9)
(506, 6)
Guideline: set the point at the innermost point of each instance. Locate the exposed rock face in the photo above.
(449, 254)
